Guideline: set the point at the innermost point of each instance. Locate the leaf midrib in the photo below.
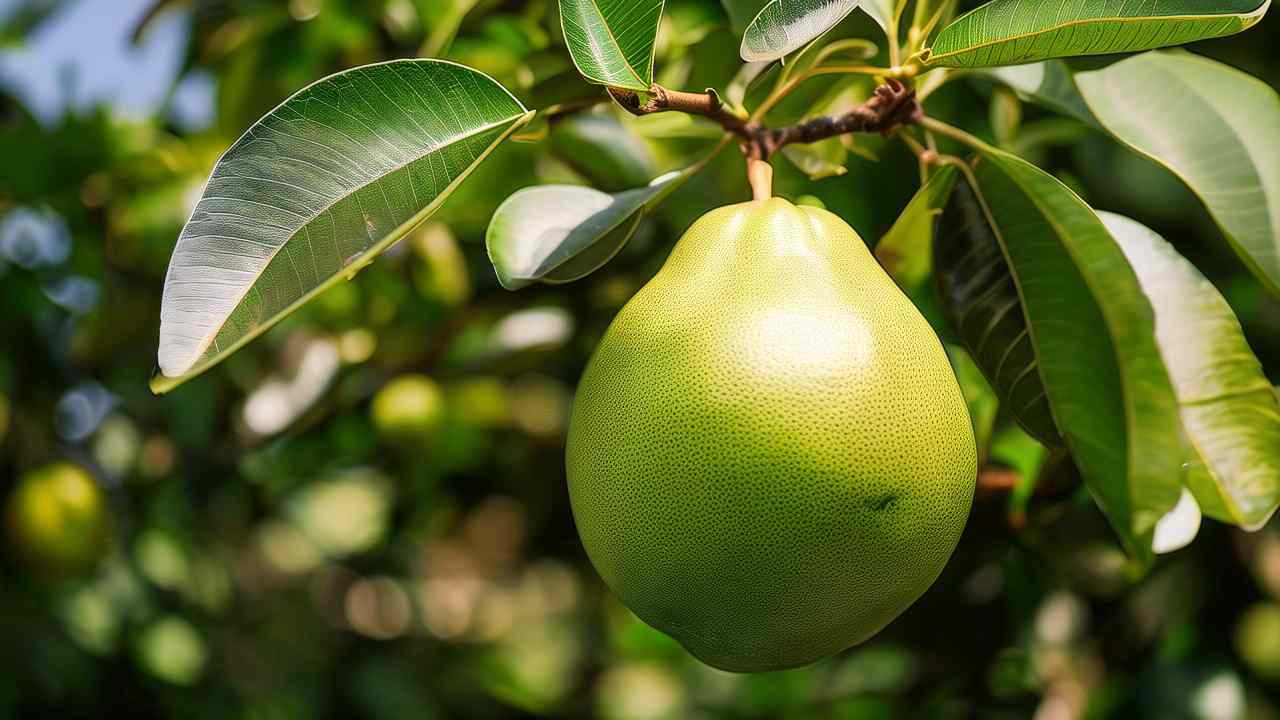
(608, 31)
(213, 333)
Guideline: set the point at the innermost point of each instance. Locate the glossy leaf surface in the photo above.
(314, 191)
(982, 303)
(611, 41)
(1011, 32)
(1229, 413)
(784, 26)
(1215, 128)
(1207, 123)
(1093, 331)
(560, 233)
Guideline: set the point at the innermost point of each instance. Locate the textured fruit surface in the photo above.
(769, 457)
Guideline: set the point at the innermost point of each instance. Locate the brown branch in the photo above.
(893, 105)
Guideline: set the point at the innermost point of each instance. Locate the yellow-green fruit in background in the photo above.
(58, 520)
(409, 408)
(769, 457)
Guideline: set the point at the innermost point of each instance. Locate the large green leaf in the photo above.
(314, 191)
(1230, 415)
(611, 41)
(560, 233)
(784, 26)
(1093, 331)
(1215, 128)
(981, 301)
(1211, 125)
(1010, 32)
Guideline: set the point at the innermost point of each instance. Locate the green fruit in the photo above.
(409, 408)
(58, 520)
(769, 457)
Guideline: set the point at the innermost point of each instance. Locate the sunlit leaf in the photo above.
(1229, 412)
(1010, 32)
(1215, 128)
(1211, 125)
(784, 26)
(314, 191)
(1093, 332)
(611, 41)
(982, 302)
(880, 10)
(560, 233)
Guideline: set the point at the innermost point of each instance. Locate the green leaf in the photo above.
(1011, 32)
(611, 41)
(1093, 330)
(819, 160)
(784, 26)
(314, 191)
(981, 300)
(1207, 123)
(1230, 415)
(1215, 128)
(906, 251)
(881, 11)
(560, 233)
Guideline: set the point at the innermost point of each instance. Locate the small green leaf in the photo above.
(314, 191)
(820, 160)
(1229, 412)
(906, 251)
(1093, 331)
(1209, 124)
(982, 302)
(611, 41)
(784, 26)
(1011, 32)
(560, 233)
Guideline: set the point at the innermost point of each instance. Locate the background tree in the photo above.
(363, 511)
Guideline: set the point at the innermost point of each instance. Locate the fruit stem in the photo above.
(760, 176)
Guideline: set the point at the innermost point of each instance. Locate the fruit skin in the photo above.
(58, 520)
(769, 457)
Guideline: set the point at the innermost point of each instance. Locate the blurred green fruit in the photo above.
(1258, 639)
(769, 457)
(410, 407)
(58, 520)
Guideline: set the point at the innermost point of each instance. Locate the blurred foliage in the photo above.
(363, 514)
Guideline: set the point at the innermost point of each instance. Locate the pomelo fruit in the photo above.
(769, 457)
